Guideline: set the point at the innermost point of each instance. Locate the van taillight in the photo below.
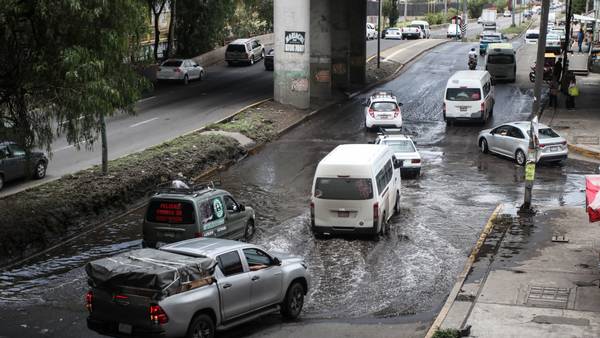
(371, 112)
(415, 160)
(375, 214)
(197, 234)
(312, 213)
(89, 298)
(158, 315)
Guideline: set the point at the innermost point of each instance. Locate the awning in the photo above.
(585, 18)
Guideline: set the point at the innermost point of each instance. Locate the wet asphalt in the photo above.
(400, 278)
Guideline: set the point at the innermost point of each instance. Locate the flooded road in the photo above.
(405, 275)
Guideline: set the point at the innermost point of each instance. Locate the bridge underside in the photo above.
(320, 46)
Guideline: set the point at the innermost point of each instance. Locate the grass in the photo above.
(446, 333)
(252, 123)
(516, 30)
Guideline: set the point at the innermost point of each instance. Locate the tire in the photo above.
(40, 170)
(418, 173)
(252, 60)
(385, 226)
(397, 204)
(520, 157)
(201, 76)
(483, 146)
(1, 182)
(186, 80)
(293, 301)
(202, 326)
(249, 231)
(262, 54)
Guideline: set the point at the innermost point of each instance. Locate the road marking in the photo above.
(143, 122)
(146, 99)
(68, 147)
(403, 49)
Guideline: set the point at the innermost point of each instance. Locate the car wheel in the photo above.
(40, 170)
(201, 76)
(520, 157)
(186, 79)
(293, 301)
(262, 54)
(483, 146)
(397, 204)
(418, 173)
(202, 326)
(251, 60)
(1, 182)
(249, 231)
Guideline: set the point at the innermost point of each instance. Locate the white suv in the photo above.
(383, 110)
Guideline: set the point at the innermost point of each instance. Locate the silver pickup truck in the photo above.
(191, 289)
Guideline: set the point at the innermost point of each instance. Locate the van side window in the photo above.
(384, 177)
(212, 212)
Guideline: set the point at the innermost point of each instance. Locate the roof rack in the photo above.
(197, 189)
(383, 93)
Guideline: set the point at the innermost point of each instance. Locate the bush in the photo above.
(446, 333)
(435, 18)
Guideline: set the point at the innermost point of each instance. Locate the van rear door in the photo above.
(463, 102)
(344, 202)
(169, 221)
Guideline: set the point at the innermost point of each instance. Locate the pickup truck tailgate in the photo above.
(117, 314)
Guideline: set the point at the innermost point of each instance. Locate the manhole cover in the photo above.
(545, 296)
(587, 140)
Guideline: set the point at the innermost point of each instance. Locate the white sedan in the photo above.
(512, 140)
(393, 33)
(183, 70)
(404, 149)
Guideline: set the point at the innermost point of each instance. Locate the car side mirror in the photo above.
(276, 261)
(195, 66)
(398, 163)
(242, 207)
(400, 104)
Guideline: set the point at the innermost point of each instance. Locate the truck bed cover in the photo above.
(158, 272)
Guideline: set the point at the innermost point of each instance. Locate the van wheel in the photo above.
(397, 204)
(249, 231)
(385, 226)
(186, 80)
(202, 326)
(293, 302)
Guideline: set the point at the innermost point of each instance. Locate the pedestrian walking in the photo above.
(572, 92)
(580, 39)
(553, 94)
(557, 70)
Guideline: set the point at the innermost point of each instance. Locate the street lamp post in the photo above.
(379, 34)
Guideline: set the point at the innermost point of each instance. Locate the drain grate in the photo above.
(548, 296)
(593, 140)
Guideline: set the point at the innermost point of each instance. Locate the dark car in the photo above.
(270, 60)
(12, 163)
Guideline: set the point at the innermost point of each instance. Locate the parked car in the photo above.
(512, 140)
(183, 70)
(404, 149)
(356, 190)
(383, 110)
(13, 165)
(413, 31)
(454, 31)
(507, 14)
(371, 31)
(270, 60)
(175, 214)
(192, 289)
(244, 51)
(424, 25)
(393, 33)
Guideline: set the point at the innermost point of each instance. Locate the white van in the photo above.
(531, 36)
(454, 31)
(469, 95)
(356, 189)
(501, 61)
(424, 27)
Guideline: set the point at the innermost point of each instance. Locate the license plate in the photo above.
(384, 117)
(343, 213)
(553, 148)
(463, 108)
(169, 234)
(125, 328)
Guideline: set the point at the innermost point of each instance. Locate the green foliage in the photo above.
(251, 18)
(389, 9)
(501, 5)
(446, 333)
(435, 18)
(475, 7)
(515, 29)
(578, 6)
(200, 25)
(64, 60)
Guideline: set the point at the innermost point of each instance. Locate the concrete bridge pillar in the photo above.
(320, 48)
(292, 45)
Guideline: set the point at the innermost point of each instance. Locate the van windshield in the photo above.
(463, 94)
(170, 212)
(501, 59)
(344, 188)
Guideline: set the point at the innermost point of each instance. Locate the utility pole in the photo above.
(537, 92)
(568, 33)
(512, 12)
(405, 8)
(379, 34)
(464, 21)
(445, 10)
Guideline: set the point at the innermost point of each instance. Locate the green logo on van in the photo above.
(218, 208)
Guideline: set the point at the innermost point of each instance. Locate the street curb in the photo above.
(583, 151)
(395, 74)
(489, 226)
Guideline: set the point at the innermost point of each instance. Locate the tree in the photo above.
(62, 77)
(200, 25)
(171, 39)
(390, 10)
(475, 7)
(156, 9)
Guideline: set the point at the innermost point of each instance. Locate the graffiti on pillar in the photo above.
(339, 68)
(294, 42)
(323, 76)
(300, 85)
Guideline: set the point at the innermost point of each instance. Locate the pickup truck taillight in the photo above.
(158, 315)
(89, 298)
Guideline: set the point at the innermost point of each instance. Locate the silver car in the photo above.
(180, 70)
(244, 51)
(512, 140)
(247, 282)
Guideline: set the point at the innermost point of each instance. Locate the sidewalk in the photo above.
(527, 283)
(581, 126)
